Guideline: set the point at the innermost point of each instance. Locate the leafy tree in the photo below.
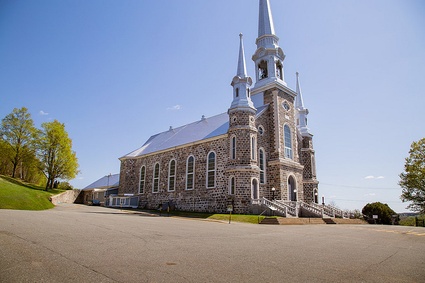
(5, 153)
(383, 211)
(58, 160)
(413, 178)
(18, 132)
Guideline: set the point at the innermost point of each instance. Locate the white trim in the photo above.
(257, 189)
(233, 147)
(230, 185)
(215, 169)
(290, 189)
(144, 179)
(193, 172)
(153, 177)
(169, 175)
(261, 149)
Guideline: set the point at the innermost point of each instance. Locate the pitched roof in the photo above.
(197, 131)
(106, 181)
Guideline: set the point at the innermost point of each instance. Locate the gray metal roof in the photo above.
(197, 131)
(105, 182)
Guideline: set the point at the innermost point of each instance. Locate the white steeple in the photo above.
(266, 27)
(269, 56)
(241, 71)
(241, 83)
(301, 111)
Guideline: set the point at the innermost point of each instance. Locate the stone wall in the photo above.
(66, 197)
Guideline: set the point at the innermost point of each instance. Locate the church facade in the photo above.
(258, 152)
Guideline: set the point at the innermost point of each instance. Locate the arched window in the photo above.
(142, 180)
(190, 171)
(232, 185)
(172, 176)
(155, 183)
(233, 148)
(292, 188)
(237, 92)
(279, 69)
(253, 147)
(211, 170)
(262, 166)
(254, 189)
(288, 141)
(262, 70)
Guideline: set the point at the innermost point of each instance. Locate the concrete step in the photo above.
(300, 221)
(270, 221)
(329, 220)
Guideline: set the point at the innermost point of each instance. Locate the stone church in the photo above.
(257, 154)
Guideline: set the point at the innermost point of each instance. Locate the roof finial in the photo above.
(241, 71)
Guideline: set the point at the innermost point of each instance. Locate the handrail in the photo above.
(291, 206)
(261, 214)
(312, 207)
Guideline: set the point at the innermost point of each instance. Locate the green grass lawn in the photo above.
(254, 219)
(18, 195)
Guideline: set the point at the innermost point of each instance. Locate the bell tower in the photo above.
(268, 57)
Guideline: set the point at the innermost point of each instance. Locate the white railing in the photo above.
(292, 208)
(281, 208)
(336, 211)
(289, 207)
(314, 208)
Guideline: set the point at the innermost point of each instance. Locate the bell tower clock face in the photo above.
(286, 106)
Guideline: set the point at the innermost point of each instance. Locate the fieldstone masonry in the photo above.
(288, 158)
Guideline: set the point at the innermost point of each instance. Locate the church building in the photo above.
(259, 153)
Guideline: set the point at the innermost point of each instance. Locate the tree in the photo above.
(18, 132)
(413, 178)
(58, 161)
(383, 211)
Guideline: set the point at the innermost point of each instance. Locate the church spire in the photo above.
(265, 19)
(301, 111)
(299, 103)
(241, 72)
(269, 56)
(241, 82)
(266, 35)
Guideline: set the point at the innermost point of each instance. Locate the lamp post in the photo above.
(323, 200)
(273, 190)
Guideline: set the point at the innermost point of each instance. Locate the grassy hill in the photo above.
(15, 194)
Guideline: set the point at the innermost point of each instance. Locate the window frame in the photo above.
(232, 185)
(262, 165)
(233, 147)
(172, 176)
(155, 179)
(191, 174)
(253, 144)
(287, 142)
(209, 170)
(143, 168)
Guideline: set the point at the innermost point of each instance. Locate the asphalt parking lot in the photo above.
(75, 243)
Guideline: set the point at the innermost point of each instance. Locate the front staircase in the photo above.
(295, 209)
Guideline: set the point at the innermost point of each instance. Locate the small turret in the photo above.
(302, 112)
(241, 83)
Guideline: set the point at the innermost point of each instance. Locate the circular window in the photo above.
(260, 130)
(286, 106)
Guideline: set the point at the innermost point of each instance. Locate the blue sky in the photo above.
(117, 72)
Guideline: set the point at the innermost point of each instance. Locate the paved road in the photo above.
(74, 243)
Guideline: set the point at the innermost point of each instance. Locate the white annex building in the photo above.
(257, 154)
